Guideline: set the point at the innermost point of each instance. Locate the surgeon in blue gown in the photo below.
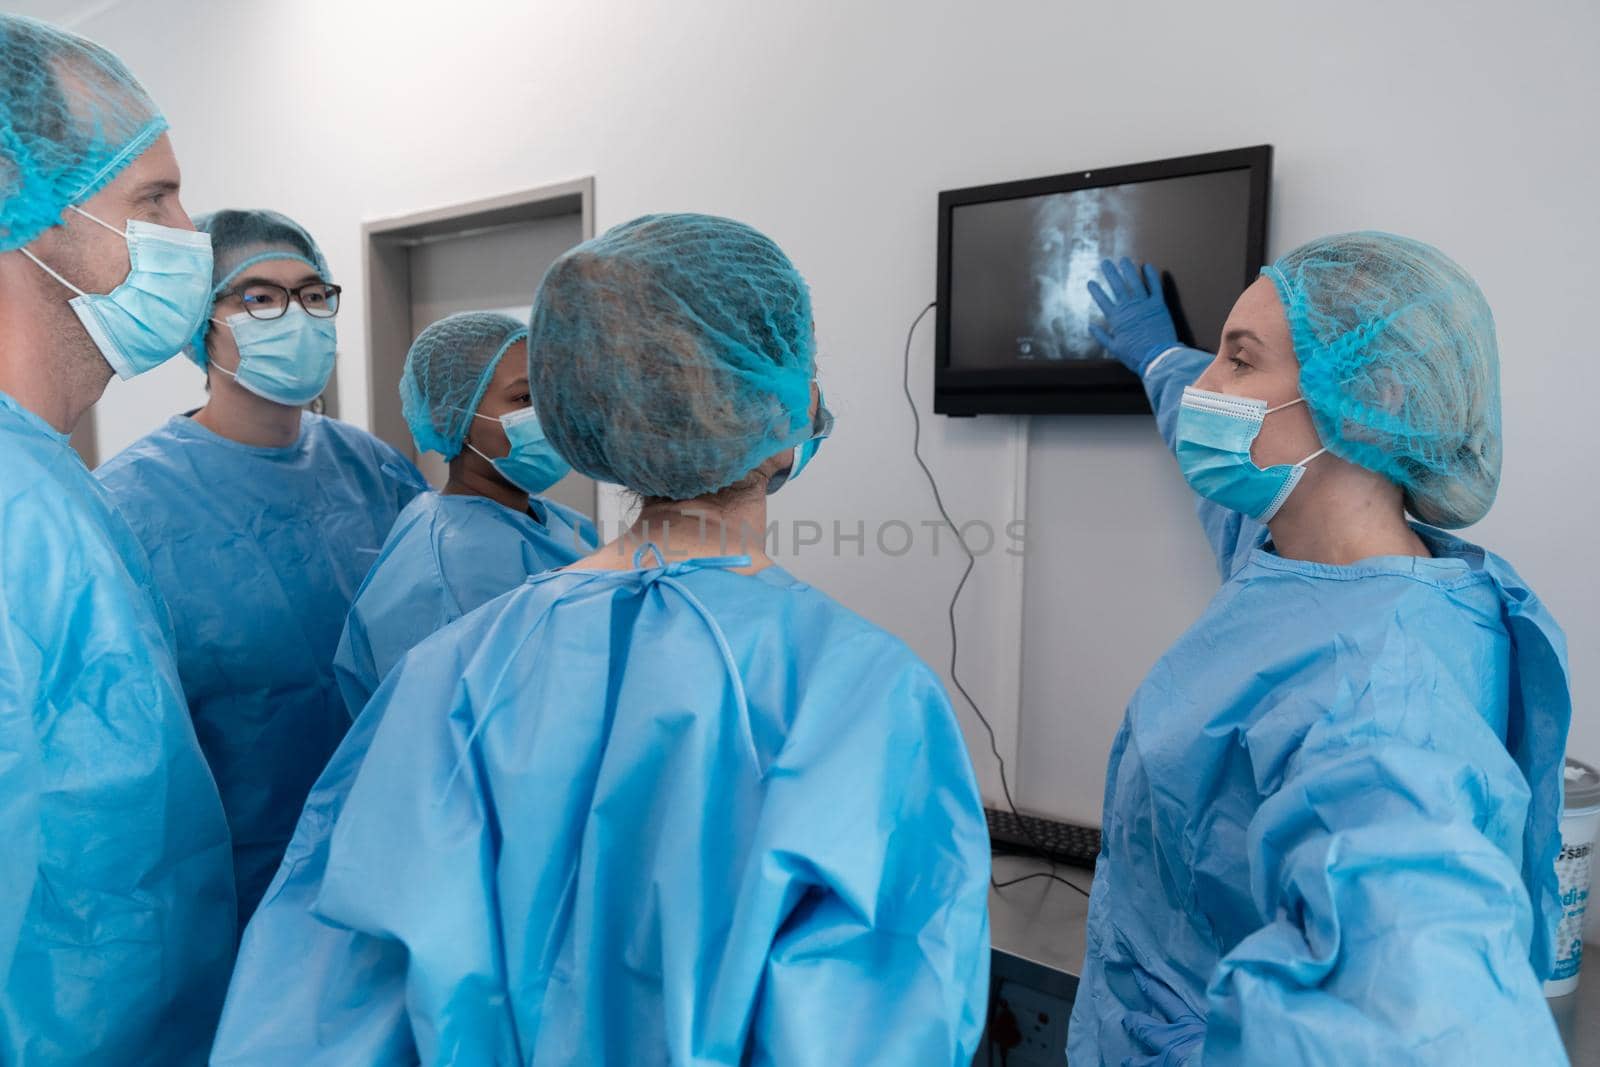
(667, 805)
(261, 519)
(1331, 811)
(465, 396)
(116, 884)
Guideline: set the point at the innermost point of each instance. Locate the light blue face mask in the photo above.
(1215, 432)
(533, 465)
(147, 319)
(287, 360)
(805, 450)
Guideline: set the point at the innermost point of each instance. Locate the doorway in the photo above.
(487, 255)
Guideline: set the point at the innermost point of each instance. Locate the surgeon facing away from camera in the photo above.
(261, 519)
(1331, 811)
(465, 395)
(667, 805)
(116, 890)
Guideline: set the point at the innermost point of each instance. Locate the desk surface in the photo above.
(1578, 1015)
(1041, 922)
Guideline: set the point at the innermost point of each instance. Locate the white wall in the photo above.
(832, 125)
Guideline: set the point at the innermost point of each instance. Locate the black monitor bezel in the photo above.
(1102, 386)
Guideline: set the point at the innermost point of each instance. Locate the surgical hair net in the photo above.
(1399, 367)
(71, 118)
(239, 240)
(447, 372)
(673, 354)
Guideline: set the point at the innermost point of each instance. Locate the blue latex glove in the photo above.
(1172, 1035)
(1141, 325)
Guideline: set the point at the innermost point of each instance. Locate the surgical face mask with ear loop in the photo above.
(147, 319)
(533, 465)
(287, 360)
(1215, 432)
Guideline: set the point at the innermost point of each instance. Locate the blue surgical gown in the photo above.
(446, 555)
(259, 551)
(1330, 817)
(675, 815)
(116, 888)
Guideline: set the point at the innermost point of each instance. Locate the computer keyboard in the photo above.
(1060, 841)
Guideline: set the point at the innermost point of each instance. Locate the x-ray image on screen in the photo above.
(1020, 269)
(1072, 234)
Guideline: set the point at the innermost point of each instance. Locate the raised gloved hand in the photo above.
(1171, 1034)
(1140, 324)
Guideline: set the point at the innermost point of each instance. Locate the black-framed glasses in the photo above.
(264, 300)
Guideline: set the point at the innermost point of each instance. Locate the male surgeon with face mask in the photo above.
(116, 886)
(261, 520)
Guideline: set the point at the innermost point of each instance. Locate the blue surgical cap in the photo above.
(673, 355)
(447, 372)
(1399, 367)
(241, 239)
(71, 118)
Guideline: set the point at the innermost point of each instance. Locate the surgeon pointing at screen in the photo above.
(1331, 811)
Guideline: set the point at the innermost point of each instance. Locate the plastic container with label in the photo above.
(1580, 821)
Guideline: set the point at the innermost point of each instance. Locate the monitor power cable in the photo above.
(972, 562)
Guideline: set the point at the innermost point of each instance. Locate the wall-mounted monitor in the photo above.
(1016, 259)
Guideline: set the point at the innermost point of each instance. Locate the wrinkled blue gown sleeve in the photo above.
(827, 997)
(387, 619)
(445, 557)
(346, 1004)
(1230, 534)
(20, 758)
(19, 796)
(432, 903)
(1396, 930)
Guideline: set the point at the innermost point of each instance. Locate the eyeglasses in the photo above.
(264, 300)
(822, 425)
